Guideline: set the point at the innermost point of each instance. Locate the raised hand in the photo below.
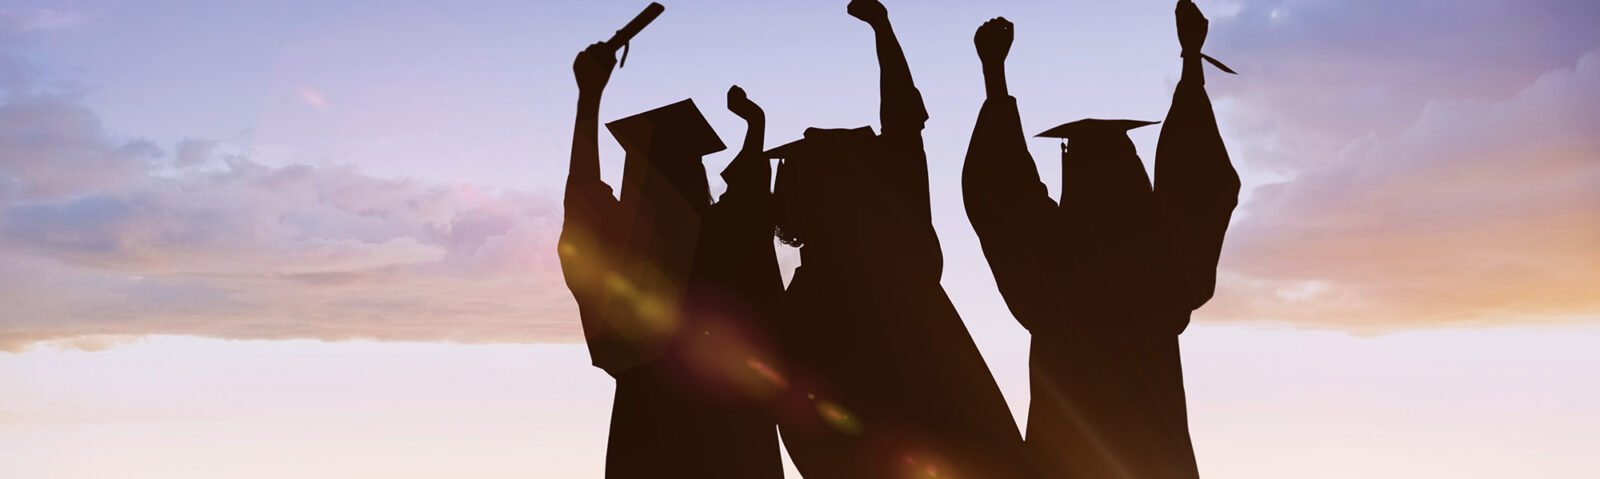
(870, 11)
(739, 103)
(1192, 26)
(994, 43)
(994, 40)
(593, 69)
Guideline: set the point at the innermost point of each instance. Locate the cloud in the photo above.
(1421, 163)
(1432, 170)
(58, 147)
(104, 239)
(236, 249)
(193, 152)
(231, 248)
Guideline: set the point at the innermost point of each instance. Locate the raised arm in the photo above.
(1011, 211)
(592, 69)
(1000, 183)
(586, 257)
(900, 106)
(1195, 181)
(750, 170)
(1192, 30)
(993, 41)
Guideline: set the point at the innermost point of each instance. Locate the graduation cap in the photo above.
(1094, 130)
(1104, 149)
(676, 129)
(785, 150)
(817, 136)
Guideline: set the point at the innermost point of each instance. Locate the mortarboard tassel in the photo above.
(1212, 61)
(1208, 58)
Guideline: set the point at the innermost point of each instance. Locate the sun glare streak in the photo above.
(767, 372)
(840, 418)
(923, 468)
(641, 300)
(1096, 438)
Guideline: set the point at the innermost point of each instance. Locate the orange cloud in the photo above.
(1479, 213)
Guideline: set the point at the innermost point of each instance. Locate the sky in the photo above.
(260, 239)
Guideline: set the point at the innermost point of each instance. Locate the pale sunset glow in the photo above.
(319, 239)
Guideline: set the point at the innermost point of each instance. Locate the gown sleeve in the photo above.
(586, 263)
(1197, 189)
(903, 115)
(1013, 215)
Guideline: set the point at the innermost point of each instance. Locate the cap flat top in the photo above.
(814, 136)
(678, 128)
(1093, 127)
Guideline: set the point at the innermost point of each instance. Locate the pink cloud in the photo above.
(104, 238)
(1481, 211)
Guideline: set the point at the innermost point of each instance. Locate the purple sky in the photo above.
(389, 171)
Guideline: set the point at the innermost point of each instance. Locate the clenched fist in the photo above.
(593, 68)
(1192, 26)
(994, 40)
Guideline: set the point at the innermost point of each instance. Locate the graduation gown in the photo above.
(887, 381)
(1105, 281)
(694, 384)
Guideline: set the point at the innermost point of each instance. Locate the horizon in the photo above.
(258, 240)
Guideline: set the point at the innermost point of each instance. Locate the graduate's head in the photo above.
(664, 150)
(814, 181)
(1097, 138)
(1106, 195)
(1098, 158)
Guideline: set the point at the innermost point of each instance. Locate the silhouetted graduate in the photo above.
(646, 297)
(728, 348)
(887, 381)
(1106, 280)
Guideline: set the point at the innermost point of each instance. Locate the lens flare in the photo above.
(642, 311)
(766, 372)
(838, 417)
(923, 467)
(620, 286)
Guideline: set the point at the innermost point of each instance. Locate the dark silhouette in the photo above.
(1106, 280)
(886, 381)
(728, 353)
(684, 333)
(863, 362)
